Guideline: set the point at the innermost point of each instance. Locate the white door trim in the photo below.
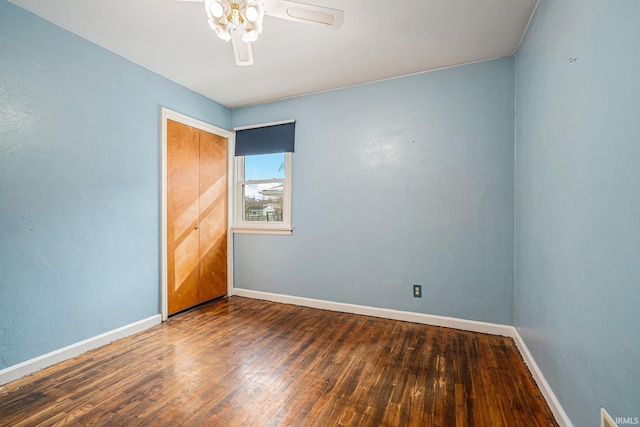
(167, 114)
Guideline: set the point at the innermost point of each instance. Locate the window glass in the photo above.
(264, 166)
(263, 202)
(263, 194)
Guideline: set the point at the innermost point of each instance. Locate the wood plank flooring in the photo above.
(244, 362)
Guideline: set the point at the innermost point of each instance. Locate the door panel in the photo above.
(196, 216)
(186, 257)
(213, 249)
(183, 177)
(213, 216)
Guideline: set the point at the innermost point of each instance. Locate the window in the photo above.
(262, 188)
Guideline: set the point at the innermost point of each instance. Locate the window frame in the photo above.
(240, 226)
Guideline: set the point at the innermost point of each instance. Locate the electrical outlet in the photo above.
(417, 291)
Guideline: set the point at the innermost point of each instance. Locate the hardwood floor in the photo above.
(239, 361)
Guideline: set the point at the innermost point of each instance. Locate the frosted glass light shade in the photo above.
(216, 9)
(251, 13)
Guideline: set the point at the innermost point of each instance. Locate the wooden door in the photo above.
(213, 216)
(196, 216)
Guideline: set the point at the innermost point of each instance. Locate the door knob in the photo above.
(197, 227)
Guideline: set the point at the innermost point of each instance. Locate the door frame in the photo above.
(167, 114)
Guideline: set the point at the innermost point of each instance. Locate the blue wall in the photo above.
(79, 194)
(577, 290)
(394, 183)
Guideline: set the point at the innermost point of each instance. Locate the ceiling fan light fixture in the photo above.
(251, 13)
(241, 20)
(249, 36)
(221, 32)
(216, 9)
(231, 19)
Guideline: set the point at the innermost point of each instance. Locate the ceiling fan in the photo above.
(241, 20)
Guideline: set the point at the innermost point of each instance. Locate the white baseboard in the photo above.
(427, 319)
(386, 313)
(561, 416)
(15, 372)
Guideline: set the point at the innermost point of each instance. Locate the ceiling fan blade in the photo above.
(242, 51)
(304, 13)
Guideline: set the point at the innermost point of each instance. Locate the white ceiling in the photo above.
(379, 40)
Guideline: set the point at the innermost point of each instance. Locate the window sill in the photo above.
(279, 231)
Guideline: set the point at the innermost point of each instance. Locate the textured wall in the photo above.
(577, 292)
(394, 183)
(79, 194)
